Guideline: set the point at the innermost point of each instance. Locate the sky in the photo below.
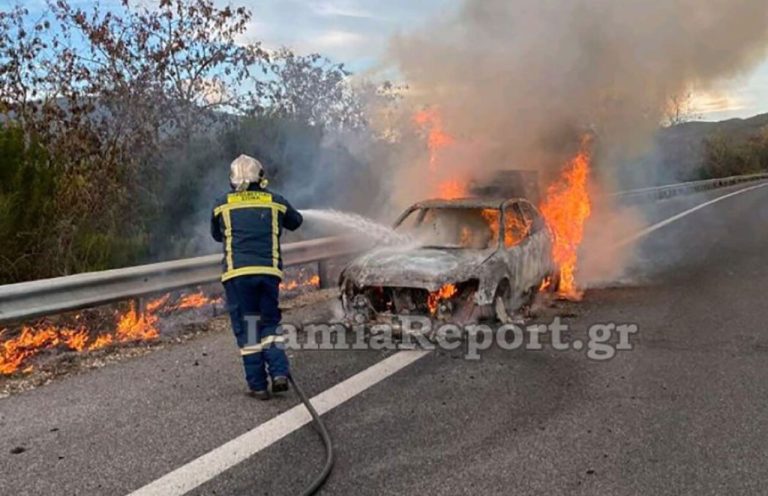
(352, 31)
(357, 33)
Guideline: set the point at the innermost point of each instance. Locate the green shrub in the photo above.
(27, 206)
(58, 218)
(725, 156)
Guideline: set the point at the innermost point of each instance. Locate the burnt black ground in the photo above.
(680, 414)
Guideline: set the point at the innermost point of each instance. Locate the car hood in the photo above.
(428, 268)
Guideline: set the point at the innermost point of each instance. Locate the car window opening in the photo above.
(467, 228)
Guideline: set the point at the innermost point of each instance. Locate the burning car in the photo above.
(462, 260)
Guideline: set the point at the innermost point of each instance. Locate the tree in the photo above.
(164, 74)
(311, 89)
(128, 108)
(680, 109)
(107, 95)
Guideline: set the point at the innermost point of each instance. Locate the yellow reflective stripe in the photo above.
(228, 237)
(249, 196)
(264, 344)
(251, 350)
(275, 240)
(251, 271)
(238, 206)
(248, 201)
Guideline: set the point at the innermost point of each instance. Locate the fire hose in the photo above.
(318, 482)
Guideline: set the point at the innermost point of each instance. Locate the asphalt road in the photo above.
(680, 414)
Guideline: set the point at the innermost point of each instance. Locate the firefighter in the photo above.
(249, 221)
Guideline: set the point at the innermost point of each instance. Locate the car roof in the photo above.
(467, 203)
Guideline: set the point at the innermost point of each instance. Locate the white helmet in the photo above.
(244, 171)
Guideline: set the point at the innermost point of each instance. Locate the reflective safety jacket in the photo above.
(250, 224)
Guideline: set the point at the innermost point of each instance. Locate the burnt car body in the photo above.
(469, 260)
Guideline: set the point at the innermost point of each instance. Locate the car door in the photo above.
(514, 238)
(540, 260)
(518, 224)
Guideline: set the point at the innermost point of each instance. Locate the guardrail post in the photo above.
(323, 273)
(140, 305)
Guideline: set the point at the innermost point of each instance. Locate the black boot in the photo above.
(259, 395)
(280, 384)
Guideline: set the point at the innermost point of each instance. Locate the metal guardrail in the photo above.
(671, 190)
(29, 300)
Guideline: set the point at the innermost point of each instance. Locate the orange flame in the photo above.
(515, 229)
(492, 218)
(29, 343)
(445, 293)
(566, 209)
(132, 326)
(430, 122)
(75, 339)
(155, 305)
(293, 284)
(101, 342)
(452, 189)
(195, 300)
(136, 326)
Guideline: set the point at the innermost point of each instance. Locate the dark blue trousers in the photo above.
(252, 302)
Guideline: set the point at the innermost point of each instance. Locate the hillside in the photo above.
(682, 150)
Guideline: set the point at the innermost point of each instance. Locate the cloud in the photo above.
(341, 9)
(716, 102)
(337, 39)
(355, 32)
(742, 97)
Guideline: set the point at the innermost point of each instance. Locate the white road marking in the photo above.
(221, 459)
(675, 218)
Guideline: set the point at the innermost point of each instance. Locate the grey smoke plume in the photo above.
(518, 82)
(521, 79)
